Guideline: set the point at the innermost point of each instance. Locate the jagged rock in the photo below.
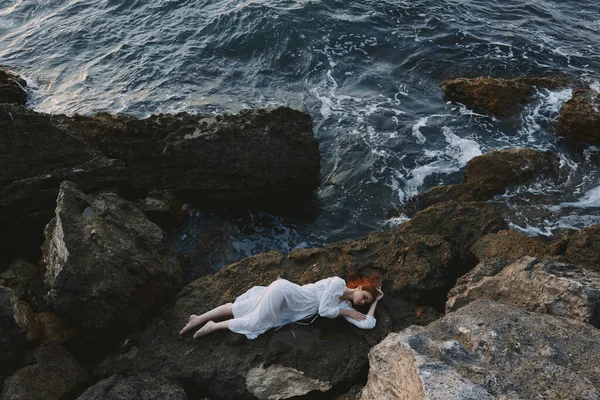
(328, 355)
(544, 287)
(580, 117)
(17, 277)
(107, 266)
(487, 350)
(53, 374)
(12, 337)
(491, 174)
(44, 326)
(496, 96)
(12, 87)
(582, 248)
(163, 209)
(508, 246)
(143, 387)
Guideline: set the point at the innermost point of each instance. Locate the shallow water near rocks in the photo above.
(368, 73)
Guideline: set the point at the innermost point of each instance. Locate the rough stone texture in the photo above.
(487, 350)
(17, 277)
(12, 87)
(255, 155)
(580, 117)
(44, 326)
(12, 337)
(508, 246)
(544, 287)
(416, 266)
(491, 174)
(53, 373)
(583, 248)
(107, 266)
(276, 382)
(496, 96)
(142, 387)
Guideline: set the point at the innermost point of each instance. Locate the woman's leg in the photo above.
(220, 312)
(211, 327)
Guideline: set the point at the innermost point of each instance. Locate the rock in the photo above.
(582, 248)
(53, 374)
(508, 246)
(491, 174)
(17, 277)
(44, 326)
(107, 266)
(12, 337)
(12, 87)
(462, 224)
(143, 387)
(496, 96)
(164, 210)
(580, 117)
(487, 350)
(328, 356)
(256, 155)
(544, 287)
(27, 205)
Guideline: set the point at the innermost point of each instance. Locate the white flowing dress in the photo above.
(282, 302)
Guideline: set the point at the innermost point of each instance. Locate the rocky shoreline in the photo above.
(92, 297)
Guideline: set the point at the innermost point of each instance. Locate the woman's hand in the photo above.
(356, 315)
(379, 293)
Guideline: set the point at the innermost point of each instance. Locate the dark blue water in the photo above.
(367, 71)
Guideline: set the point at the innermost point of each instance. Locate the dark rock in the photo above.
(491, 174)
(544, 287)
(107, 266)
(508, 246)
(487, 350)
(53, 374)
(17, 277)
(583, 248)
(12, 337)
(327, 355)
(164, 210)
(12, 87)
(580, 117)
(143, 387)
(496, 96)
(44, 326)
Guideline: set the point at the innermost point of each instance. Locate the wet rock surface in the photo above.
(582, 248)
(545, 287)
(491, 174)
(327, 355)
(496, 96)
(487, 350)
(53, 373)
(12, 87)
(580, 117)
(143, 387)
(107, 266)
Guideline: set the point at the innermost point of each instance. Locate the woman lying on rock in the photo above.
(282, 302)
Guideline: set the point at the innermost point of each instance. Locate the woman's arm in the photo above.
(359, 319)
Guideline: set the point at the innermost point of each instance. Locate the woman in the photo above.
(265, 307)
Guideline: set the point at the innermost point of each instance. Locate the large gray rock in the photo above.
(580, 117)
(327, 356)
(540, 286)
(53, 373)
(12, 336)
(142, 387)
(487, 350)
(107, 266)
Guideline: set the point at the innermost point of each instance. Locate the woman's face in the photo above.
(361, 297)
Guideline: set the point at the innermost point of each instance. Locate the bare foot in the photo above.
(205, 330)
(193, 322)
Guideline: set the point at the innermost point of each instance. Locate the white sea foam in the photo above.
(591, 198)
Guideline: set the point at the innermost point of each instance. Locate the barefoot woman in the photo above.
(282, 302)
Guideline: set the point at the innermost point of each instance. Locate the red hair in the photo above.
(368, 283)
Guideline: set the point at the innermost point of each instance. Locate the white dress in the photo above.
(265, 307)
